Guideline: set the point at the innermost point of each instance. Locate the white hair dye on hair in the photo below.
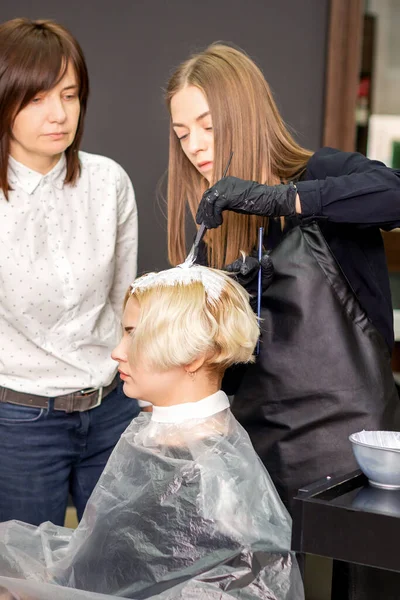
(183, 274)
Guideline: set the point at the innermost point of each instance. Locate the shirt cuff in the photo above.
(310, 198)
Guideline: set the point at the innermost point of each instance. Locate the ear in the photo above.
(195, 365)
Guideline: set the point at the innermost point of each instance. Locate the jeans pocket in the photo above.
(16, 413)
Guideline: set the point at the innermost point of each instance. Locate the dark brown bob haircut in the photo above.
(34, 56)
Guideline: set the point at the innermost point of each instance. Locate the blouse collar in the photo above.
(28, 179)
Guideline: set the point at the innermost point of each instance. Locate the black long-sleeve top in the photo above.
(354, 198)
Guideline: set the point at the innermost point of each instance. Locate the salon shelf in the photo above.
(346, 519)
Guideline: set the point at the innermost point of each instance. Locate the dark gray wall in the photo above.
(132, 46)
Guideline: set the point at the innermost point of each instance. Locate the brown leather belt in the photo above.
(76, 401)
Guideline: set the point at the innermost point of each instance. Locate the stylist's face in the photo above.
(191, 120)
(46, 126)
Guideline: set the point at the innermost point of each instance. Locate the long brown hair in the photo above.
(246, 121)
(34, 56)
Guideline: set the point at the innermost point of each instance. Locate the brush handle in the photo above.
(202, 228)
(199, 236)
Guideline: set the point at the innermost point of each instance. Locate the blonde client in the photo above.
(184, 508)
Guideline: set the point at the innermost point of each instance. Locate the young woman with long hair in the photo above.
(323, 370)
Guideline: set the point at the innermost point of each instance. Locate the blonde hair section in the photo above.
(246, 121)
(179, 323)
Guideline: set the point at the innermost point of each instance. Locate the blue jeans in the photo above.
(47, 454)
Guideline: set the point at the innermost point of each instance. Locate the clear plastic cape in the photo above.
(182, 510)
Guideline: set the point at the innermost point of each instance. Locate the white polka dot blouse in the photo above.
(68, 254)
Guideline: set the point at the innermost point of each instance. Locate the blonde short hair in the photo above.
(178, 323)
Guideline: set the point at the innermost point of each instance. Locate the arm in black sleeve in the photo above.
(347, 187)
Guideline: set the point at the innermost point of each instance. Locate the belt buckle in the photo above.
(88, 391)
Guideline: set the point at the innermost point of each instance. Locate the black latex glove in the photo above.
(249, 197)
(246, 273)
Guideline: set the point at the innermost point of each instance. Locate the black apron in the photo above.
(323, 371)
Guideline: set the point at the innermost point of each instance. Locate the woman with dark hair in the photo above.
(68, 229)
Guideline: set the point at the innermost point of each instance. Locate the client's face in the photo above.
(140, 381)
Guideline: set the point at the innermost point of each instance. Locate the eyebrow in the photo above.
(205, 114)
(73, 86)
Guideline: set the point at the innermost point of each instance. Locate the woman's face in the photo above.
(47, 125)
(140, 381)
(192, 123)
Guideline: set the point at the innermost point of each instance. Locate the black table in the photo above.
(346, 519)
